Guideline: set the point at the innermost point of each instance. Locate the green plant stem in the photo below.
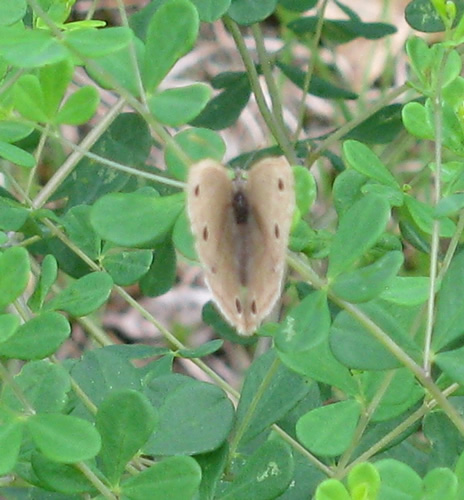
(126, 96)
(251, 410)
(451, 247)
(266, 67)
(38, 156)
(279, 134)
(309, 73)
(363, 423)
(95, 480)
(384, 339)
(344, 129)
(73, 159)
(115, 165)
(8, 379)
(437, 112)
(399, 429)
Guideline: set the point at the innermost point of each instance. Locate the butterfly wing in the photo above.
(209, 207)
(271, 196)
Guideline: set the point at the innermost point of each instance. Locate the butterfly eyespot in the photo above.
(238, 306)
(197, 190)
(253, 307)
(276, 231)
(205, 233)
(281, 185)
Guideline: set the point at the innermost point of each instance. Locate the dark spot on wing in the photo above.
(254, 308)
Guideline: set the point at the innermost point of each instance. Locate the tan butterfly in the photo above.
(241, 227)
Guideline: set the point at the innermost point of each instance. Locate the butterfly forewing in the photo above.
(270, 190)
(209, 204)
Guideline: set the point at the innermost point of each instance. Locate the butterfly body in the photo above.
(241, 228)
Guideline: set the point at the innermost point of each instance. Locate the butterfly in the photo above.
(241, 226)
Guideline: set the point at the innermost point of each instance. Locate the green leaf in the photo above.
(12, 131)
(196, 143)
(12, 214)
(445, 440)
(422, 215)
(283, 391)
(54, 80)
(247, 12)
(407, 290)
(182, 237)
(298, 5)
(356, 347)
(318, 86)
(265, 475)
(440, 483)
(76, 222)
(328, 430)
(93, 43)
(44, 385)
(125, 420)
(363, 160)
(16, 155)
(14, 274)
(25, 48)
(319, 363)
(132, 219)
(127, 141)
(117, 68)
(358, 230)
(59, 477)
(64, 438)
(332, 489)
(421, 15)
(182, 417)
(398, 480)
(401, 394)
(39, 337)
(211, 10)
(108, 369)
(364, 477)
(83, 296)
(79, 107)
(204, 350)
(416, 119)
(224, 109)
(176, 478)
(8, 325)
(179, 105)
(449, 306)
(451, 364)
(11, 11)
(368, 282)
(342, 31)
(11, 435)
(172, 31)
(305, 188)
(305, 324)
(125, 268)
(450, 205)
(382, 127)
(161, 276)
(29, 99)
